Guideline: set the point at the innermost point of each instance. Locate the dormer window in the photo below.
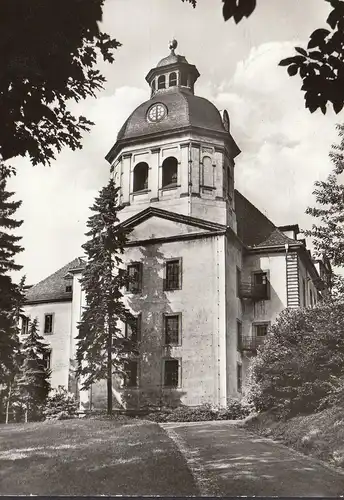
(172, 79)
(161, 82)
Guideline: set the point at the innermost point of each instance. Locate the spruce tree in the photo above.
(11, 296)
(328, 234)
(34, 380)
(102, 350)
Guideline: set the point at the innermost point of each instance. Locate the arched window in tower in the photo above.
(207, 172)
(184, 79)
(153, 85)
(170, 172)
(161, 82)
(140, 177)
(172, 82)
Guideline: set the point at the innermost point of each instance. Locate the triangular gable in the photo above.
(155, 223)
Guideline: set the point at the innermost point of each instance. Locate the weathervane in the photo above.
(173, 45)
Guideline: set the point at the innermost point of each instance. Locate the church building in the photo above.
(209, 271)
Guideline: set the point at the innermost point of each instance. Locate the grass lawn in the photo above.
(91, 457)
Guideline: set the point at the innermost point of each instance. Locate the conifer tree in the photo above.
(10, 294)
(34, 380)
(328, 235)
(102, 350)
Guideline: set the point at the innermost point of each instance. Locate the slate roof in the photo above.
(254, 228)
(183, 110)
(53, 288)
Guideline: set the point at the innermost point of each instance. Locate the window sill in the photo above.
(166, 346)
(171, 387)
(142, 191)
(172, 289)
(170, 187)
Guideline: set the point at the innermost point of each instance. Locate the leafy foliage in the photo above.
(60, 405)
(102, 349)
(10, 294)
(301, 361)
(49, 53)
(321, 65)
(34, 381)
(234, 410)
(328, 235)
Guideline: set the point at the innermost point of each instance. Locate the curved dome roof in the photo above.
(171, 59)
(183, 110)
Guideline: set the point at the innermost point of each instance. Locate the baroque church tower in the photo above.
(174, 164)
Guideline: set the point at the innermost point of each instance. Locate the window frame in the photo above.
(267, 274)
(48, 367)
(52, 323)
(257, 324)
(238, 281)
(179, 317)
(171, 185)
(175, 79)
(179, 384)
(24, 330)
(204, 184)
(166, 262)
(137, 385)
(161, 78)
(140, 274)
(239, 335)
(145, 186)
(239, 377)
(138, 318)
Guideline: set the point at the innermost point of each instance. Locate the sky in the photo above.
(284, 148)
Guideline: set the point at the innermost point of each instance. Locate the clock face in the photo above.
(156, 113)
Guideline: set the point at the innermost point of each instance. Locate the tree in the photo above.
(49, 53)
(328, 235)
(34, 380)
(11, 295)
(102, 350)
(321, 65)
(301, 362)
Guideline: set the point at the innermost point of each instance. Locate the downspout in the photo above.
(189, 179)
(286, 246)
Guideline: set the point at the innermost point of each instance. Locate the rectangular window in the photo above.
(172, 324)
(261, 285)
(133, 328)
(239, 335)
(47, 360)
(173, 274)
(134, 272)
(69, 288)
(261, 329)
(238, 281)
(25, 325)
(48, 323)
(131, 372)
(171, 373)
(239, 377)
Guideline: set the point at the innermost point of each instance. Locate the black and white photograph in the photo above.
(172, 248)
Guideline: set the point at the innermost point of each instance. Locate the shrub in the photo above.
(297, 370)
(234, 410)
(61, 405)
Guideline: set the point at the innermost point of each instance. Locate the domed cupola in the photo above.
(171, 72)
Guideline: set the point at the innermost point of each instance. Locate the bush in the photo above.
(235, 410)
(61, 405)
(298, 369)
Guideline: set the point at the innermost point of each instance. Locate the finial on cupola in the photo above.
(173, 45)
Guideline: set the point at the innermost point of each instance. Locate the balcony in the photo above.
(251, 343)
(248, 290)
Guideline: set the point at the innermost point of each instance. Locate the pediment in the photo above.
(153, 224)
